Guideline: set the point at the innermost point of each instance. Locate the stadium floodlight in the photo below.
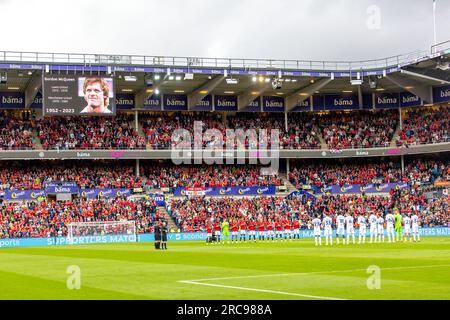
(77, 231)
(356, 82)
(232, 80)
(130, 78)
(254, 79)
(156, 77)
(156, 91)
(3, 78)
(188, 76)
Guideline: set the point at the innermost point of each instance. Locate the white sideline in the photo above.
(197, 281)
(318, 272)
(260, 290)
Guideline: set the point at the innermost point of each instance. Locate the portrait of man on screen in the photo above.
(96, 94)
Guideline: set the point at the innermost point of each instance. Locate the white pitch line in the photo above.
(261, 290)
(311, 273)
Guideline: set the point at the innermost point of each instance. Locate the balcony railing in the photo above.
(202, 62)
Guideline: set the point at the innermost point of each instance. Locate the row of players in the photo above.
(285, 229)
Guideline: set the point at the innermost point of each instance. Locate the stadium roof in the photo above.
(416, 72)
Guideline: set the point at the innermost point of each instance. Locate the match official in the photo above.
(164, 231)
(157, 236)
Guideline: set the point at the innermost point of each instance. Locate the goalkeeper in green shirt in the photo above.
(225, 234)
(398, 225)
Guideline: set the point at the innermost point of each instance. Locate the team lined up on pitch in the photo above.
(395, 226)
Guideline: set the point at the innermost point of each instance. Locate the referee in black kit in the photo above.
(157, 235)
(164, 231)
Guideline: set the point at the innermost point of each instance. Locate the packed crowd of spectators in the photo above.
(340, 130)
(164, 176)
(49, 219)
(193, 214)
(425, 126)
(15, 133)
(362, 129)
(102, 174)
(89, 133)
(347, 172)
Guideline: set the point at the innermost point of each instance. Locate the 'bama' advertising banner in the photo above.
(441, 94)
(273, 104)
(194, 236)
(230, 191)
(226, 103)
(358, 188)
(253, 106)
(153, 103)
(341, 102)
(408, 99)
(387, 100)
(175, 102)
(206, 104)
(12, 100)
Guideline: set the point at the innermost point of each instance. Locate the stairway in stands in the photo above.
(170, 222)
(393, 143)
(323, 144)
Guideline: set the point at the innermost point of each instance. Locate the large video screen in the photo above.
(78, 95)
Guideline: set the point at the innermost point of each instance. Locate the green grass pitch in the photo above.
(193, 270)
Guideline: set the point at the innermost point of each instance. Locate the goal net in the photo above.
(114, 231)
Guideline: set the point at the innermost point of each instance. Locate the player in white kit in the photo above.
(340, 221)
(415, 227)
(407, 225)
(390, 227)
(350, 229)
(373, 227)
(317, 234)
(328, 231)
(362, 229)
(380, 228)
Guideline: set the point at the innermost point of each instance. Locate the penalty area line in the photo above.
(260, 290)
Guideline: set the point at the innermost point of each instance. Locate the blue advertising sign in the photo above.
(407, 99)
(124, 101)
(11, 195)
(153, 103)
(341, 102)
(175, 102)
(387, 100)
(318, 103)
(358, 188)
(254, 106)
(205, 105)
(273, 104)
(367, 101)
(226, 103)
(37, 101)
(110, 193)
(12, 100)
(302, 106)
(441, 94)
(231, 191)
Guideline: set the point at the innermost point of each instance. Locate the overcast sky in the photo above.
(282, 29)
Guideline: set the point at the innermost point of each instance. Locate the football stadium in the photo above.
(191, 178)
